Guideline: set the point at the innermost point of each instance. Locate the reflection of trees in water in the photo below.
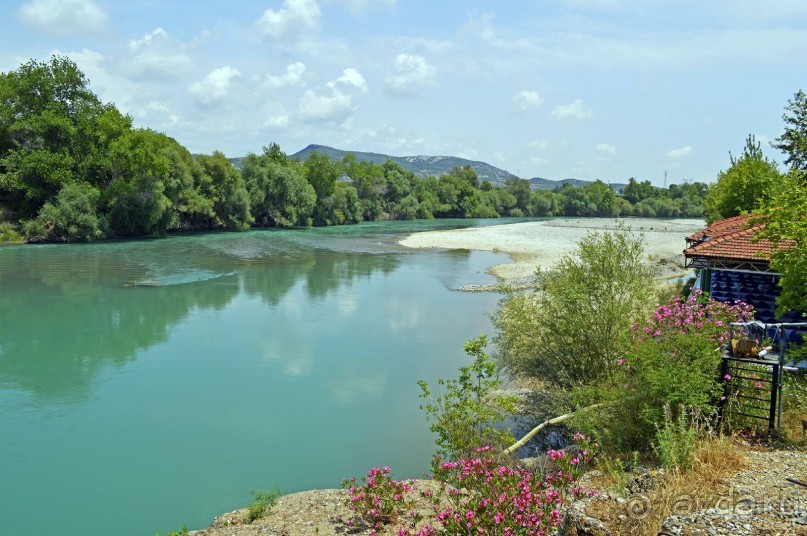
(322, 271)
(66, 312)
(54, 343)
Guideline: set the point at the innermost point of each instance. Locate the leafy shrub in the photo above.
(673, 359)
(676, 440)
(262, 501)
(569, 333)
(72, 217)
(9, 233)
(464, 415)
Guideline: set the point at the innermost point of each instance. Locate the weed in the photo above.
(676, 440)
(262, 501)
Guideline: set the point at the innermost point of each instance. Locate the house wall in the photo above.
(760, 290)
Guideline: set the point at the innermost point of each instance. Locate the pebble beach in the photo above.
(543, 243)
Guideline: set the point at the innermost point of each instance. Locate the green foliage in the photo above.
(280, 195)
(749, 182)
(793, 142)
(785, 212)
(224, 186)
(676, 440)
(570, 331)
(73, 217)
(670, 361)
(784, 218)
(464, 412)
(262, 500)
(9, 233)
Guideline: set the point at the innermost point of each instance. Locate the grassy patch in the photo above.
(262, 501)
(701, 486)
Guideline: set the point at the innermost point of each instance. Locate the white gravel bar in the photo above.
(543, 243)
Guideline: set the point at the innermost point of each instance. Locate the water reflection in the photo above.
(66, 312)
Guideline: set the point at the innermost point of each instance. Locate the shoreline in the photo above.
(541, 244)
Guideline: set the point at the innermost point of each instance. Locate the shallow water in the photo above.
(149, 384)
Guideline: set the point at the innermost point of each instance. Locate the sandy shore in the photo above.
(543, 243)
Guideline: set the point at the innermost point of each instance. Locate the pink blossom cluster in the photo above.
(380, 499)
(697, 313)
(479, 495)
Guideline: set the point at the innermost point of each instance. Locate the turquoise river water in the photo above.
(152, 383)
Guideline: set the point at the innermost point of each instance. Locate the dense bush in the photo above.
(570, 331)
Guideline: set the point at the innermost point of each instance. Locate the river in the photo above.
(148, 384)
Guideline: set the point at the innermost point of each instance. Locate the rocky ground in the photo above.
(758, 500)
(543, 243)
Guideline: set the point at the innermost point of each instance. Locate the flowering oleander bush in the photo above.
(698, 315)
(673, 359)
(483, 497)
(478, 495)
(379, 499)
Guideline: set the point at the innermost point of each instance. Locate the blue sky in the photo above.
(591, 89)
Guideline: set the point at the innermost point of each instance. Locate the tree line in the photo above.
(73, 168)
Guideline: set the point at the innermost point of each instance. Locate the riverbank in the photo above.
(543, 243)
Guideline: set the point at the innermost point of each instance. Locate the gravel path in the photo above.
(759, 500)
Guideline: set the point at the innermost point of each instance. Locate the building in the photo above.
(732, 265)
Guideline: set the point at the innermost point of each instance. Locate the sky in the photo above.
(587, 89)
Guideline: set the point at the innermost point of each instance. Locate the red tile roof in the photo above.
(719, 227)
(732, 239)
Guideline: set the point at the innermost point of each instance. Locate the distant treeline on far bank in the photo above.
(75, 169)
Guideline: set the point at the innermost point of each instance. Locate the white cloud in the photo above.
(63, 16)
(409, 73)
(350, 77)
(319, 107)
(574, 110)
(335, 101)
(215, 85)
(294, 73)
(538, 144)
(606, 148)
(157, 55)
(290, 21)
(527, 99)
(681, 152)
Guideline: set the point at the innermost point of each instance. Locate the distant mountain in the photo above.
(539, 183)
(422, 166)
(434, 166)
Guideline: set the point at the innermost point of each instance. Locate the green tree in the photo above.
(46, 110)
(748, 183)
(569, 331)
(793, 142)
(136, 199)
(223, 184)
(280, 196)
(636, 192)
(73, 216)
(784, 215)
(520, 189)
(322, 174)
